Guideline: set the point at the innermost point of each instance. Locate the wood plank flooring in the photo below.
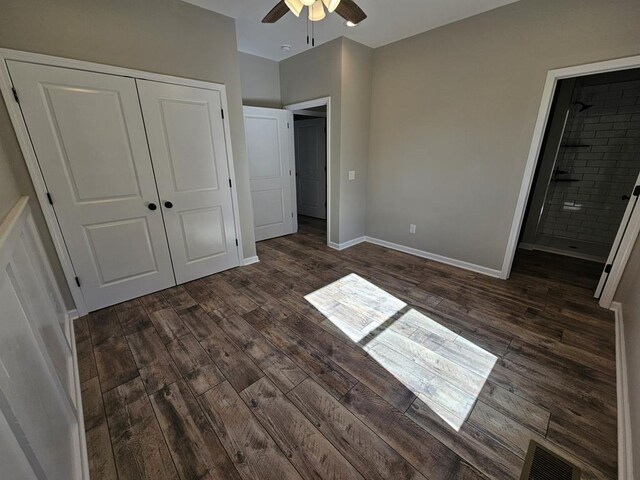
(392, 367)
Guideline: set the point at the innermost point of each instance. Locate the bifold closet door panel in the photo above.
(187, 143)
(88, 135)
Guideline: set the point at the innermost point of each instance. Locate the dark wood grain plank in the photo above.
(363, 448)
(139, 447)
(178, 298)
(134, 319)
(523, 411)
(154, 362)
(236, 366)
(84, 350)
(276, 365)
(154, 301)
(199, 323)
(478, 449)
(99, 451)
(168, 324)
(423, 451)
(114, 363)
(312, 361)
(253, 451)
(103, 325)
(507, 432)
(194, 364)
(309, 451)
(194, 446)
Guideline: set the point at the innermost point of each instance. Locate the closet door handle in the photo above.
(168, 204)
(152, 206)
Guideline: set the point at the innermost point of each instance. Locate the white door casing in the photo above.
(187, 143)
(270, 171)
(311, 164)
(89, 137)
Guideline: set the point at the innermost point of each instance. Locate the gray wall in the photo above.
(628, 295)
(260, 80)
(163, 36)
(314, 74)
(357, 63)
(341, 69)
(453, 113)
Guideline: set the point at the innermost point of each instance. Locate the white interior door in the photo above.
(633, 203)
(89, 137)
(186, 138)
(270, 170)
(311, 167)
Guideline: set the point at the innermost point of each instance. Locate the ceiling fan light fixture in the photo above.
(316, 11)
(308, 3)
(331, 5)
(295, 6)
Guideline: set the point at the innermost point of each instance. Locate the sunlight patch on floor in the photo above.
(355, 306)
(446, 371)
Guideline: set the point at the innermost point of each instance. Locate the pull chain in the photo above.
(307, 30)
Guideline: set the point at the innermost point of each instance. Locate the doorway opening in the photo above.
(310, 139)
(584, 189)
(311, 147)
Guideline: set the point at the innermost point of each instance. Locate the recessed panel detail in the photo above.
(91, 133)
(264, 148)
(121, 250)
(268, 206)
(203, 232)
(187, 130)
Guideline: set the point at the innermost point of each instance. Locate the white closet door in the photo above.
(311, 167)
(268, 146)
(186, 138)
(88, 135)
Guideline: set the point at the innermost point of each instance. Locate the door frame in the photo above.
(22, 134)
(553, 77)
(318, 102)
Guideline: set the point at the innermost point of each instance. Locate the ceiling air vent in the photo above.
(541, 464)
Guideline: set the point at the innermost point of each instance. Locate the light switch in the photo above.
(352, 174)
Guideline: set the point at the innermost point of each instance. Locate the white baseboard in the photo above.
(83, 458)
(625, 450)
(345, 245)
(435, 257)
(250, 260)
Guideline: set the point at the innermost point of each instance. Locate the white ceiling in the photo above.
(389, 21)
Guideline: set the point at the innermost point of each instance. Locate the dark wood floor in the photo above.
(239, 376)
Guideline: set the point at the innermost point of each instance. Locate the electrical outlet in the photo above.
(352, 174)
(412, 228)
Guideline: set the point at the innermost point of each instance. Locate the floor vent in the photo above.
(541, 464)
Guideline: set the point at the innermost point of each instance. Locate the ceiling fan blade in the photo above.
(279, 11)
(351, 12)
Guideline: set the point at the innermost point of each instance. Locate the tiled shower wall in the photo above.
(601, 150)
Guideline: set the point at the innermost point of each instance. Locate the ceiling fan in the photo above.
(347, 9)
